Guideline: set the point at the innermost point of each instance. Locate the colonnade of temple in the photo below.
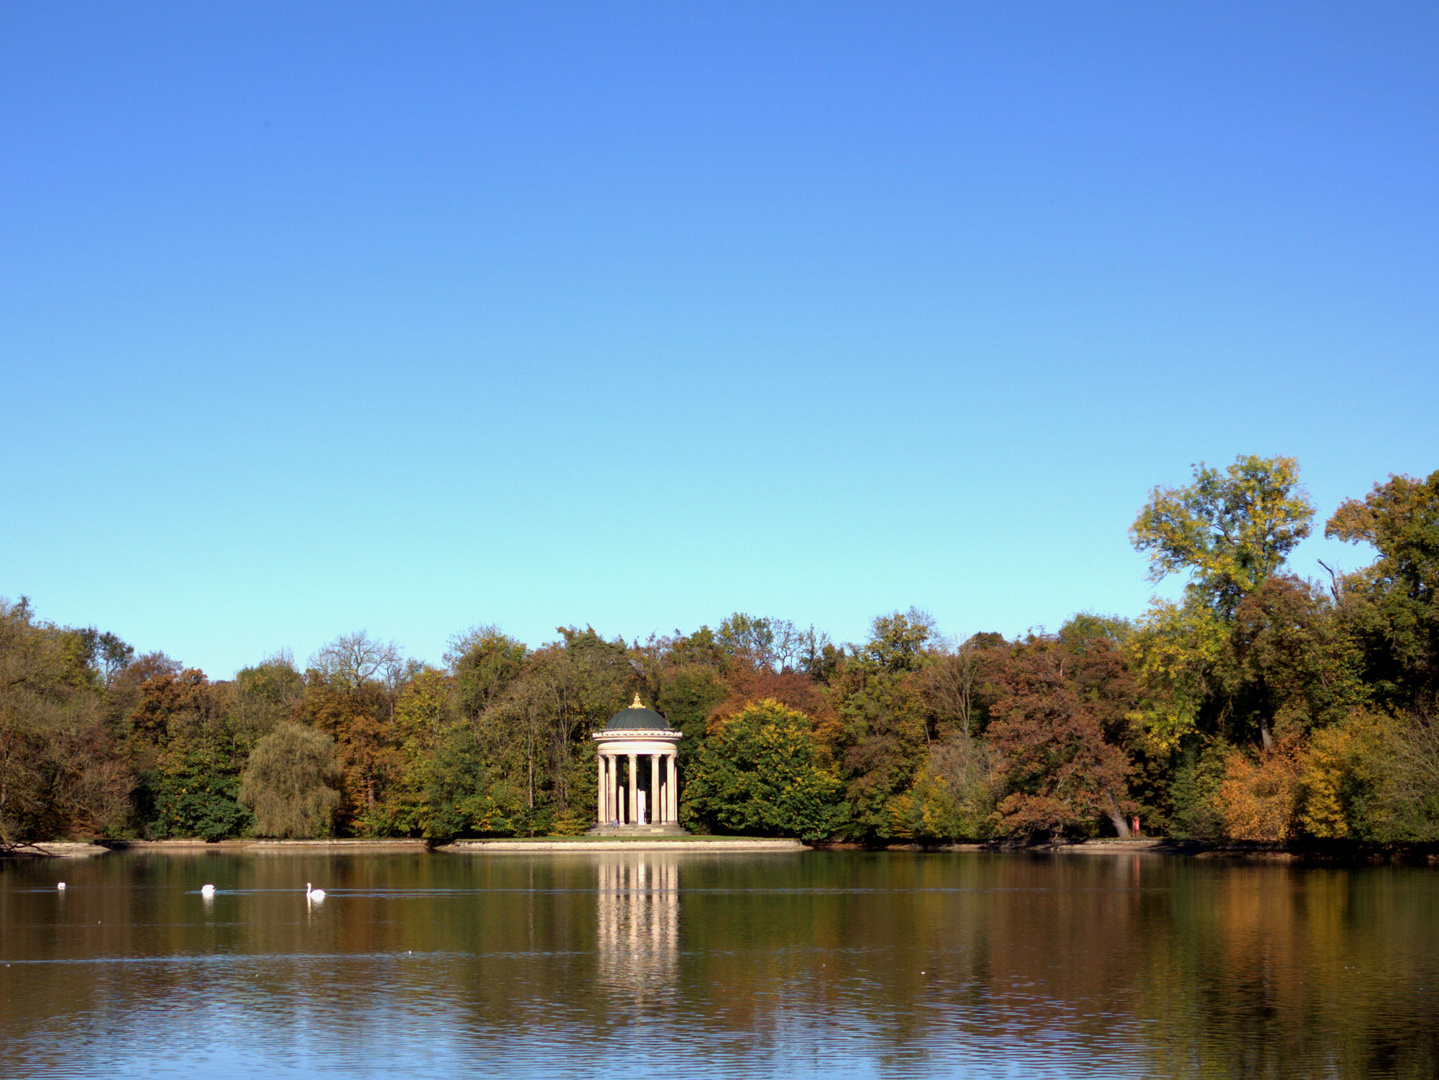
(621, 787)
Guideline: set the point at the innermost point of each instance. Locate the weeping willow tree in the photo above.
(292, 783)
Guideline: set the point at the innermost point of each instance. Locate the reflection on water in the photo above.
(689, 964)
(638, 915)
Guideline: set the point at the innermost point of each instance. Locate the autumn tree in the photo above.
(358, 718)
(1058, 728)
(60, 771)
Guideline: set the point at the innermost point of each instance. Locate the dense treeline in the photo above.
(1259, 706)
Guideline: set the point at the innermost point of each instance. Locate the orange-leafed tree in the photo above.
(1057, 726)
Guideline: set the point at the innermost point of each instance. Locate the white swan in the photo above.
(60, 885)
(313, 894)
(207, 890)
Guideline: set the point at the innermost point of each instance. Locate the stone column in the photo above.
(657, 814)
(600, 788)
(617, 793)
(634, 791)
(672, 784)
(609, 787)
(615, 787)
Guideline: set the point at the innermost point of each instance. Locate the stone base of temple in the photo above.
(636, 830)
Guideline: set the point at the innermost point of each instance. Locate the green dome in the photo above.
(637, 718)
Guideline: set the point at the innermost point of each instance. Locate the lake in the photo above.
(658, 964)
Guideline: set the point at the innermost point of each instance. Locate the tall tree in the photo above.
(484, 662)
(1289, 664)
(878, 736)
(263, 697)
(355, 660)
(897, 641)
(1228, 530)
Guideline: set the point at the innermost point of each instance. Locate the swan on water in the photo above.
(60, 885)
(313, 894)
(207, 890)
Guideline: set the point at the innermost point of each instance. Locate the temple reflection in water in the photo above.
(638, 912)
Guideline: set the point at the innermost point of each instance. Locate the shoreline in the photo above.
(1306, 853)
(573, 844)
(84, 849)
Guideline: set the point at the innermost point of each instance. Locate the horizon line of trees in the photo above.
(1258, 706)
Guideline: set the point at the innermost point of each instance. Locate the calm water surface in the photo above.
(661, 964)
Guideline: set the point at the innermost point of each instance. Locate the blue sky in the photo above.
(411, 318)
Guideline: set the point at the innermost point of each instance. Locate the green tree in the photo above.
(1228, 530)
(954, 794)
(1087, 626)
(1403, 803)
(196, 789)
(105, 652)
(760, 773)
(484, 662)
(292, 782)
(567, 692)
(879, 735)
(1288, 665)
(879, 744)
(468, 789)
(897, 640)
(422, 715)
(748, 638)
(183, 748)
(263, 697)
(1393, 605)
(688, 694)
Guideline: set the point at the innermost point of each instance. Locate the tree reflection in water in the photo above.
(701, 965)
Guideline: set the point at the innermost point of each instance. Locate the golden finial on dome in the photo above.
(637, 703)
